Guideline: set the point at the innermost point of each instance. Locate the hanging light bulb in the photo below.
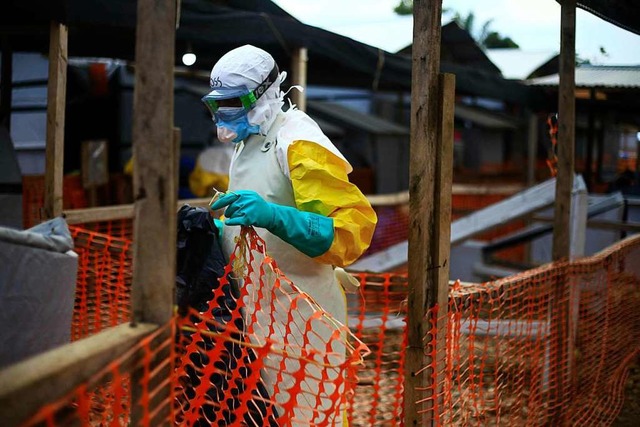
(189, 58)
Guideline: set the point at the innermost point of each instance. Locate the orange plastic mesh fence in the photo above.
(549, 346)
(122, 228)
(106, 398)
(73, 198)
(33, 196)
(263, 353)
(551, 343)
(103, 283)
(376, 317)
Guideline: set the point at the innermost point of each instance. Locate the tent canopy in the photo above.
(621, 13)
(106, 28)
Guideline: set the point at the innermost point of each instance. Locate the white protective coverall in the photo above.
(290, 162)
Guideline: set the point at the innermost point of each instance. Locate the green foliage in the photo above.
(495, 40)
(485, 37)
(405, 7)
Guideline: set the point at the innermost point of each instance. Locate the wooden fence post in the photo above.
(560, 304)
(154, 179)
(424, 249)
(56, 93)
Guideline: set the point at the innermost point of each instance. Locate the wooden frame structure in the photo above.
(155, 188)
(156, 147)
(154, 183)
(430, 181)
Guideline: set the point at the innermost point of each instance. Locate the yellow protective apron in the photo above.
(255, 166)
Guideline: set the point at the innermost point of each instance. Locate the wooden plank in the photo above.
(56, 94)
(106, 213)
(110, 213)
(154, 177)
(561, 300)
(26, 386)
(423, 261)
(438, 294)
(153, 172)
(566, 132)
(299, 61)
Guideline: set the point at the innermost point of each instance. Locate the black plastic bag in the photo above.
(200, 263)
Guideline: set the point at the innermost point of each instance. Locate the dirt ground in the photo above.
(630, 414)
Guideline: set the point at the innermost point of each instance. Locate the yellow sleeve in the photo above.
(201, 181)
(321, 185)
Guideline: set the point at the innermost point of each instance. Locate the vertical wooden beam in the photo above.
(566, 132)
(154, 176)
(560, 302)
(56, 94)
(438, 293)
(299, 77)
(6, 82)
(423, 265)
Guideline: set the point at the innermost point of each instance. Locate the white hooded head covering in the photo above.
(248, 66)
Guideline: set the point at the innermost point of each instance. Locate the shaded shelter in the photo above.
(106, 28)
(607, 103)
(621, 13)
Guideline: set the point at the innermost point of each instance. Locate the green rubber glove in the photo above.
(310, 233)
(219, 224)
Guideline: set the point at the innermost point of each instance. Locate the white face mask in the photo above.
(225, 134)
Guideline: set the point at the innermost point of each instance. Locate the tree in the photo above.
(495, 40)
(404, 8)
(485, 38)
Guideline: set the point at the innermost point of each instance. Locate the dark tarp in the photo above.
(106, 28)
(621, 13)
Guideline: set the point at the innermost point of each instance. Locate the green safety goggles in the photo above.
(247, 98)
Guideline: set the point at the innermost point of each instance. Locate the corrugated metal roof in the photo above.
(355, 119)
(597, 76)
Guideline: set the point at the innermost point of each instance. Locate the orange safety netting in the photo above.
(550, 345)
(33, 197)
(134, 389)
(547, 347)
(263, 353)
(74, 197)
(103, 283)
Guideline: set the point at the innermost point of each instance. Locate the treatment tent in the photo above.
(106, 28)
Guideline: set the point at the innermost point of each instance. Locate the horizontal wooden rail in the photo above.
(109, 213)
(47, 377)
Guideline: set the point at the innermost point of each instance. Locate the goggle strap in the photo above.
(266, 83)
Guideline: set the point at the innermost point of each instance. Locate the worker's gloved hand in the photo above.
(310, 233)
(219, 224)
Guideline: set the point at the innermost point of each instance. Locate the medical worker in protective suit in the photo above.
(289, 182)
